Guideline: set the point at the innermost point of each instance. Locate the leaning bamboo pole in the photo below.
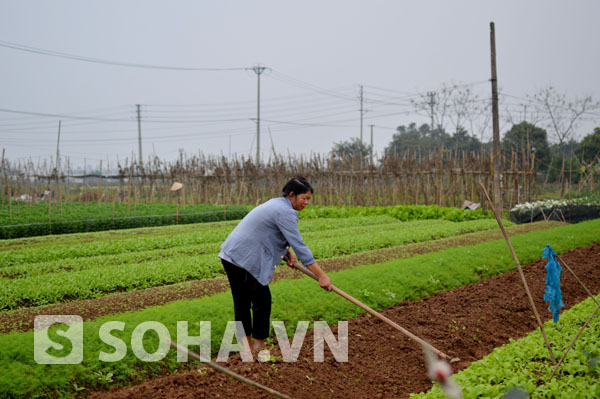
(573, 341)
(531, 302)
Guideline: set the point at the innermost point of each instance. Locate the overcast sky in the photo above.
(318, 53)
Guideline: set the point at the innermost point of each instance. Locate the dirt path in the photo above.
(466, 322)
(22, 319)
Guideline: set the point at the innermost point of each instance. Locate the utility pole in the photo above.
(431, 102)
(2, 169)
(258, 70)
(361, 114)
(139, 119)
(497, 165)
(371, 149)
(57, 152)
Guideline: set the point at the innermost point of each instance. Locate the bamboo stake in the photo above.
(578, 280)
(381, 317)
(229, 372)
(49, 207)
(537, 316)
(114, 203)
(100, 182)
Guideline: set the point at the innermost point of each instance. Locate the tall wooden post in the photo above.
(496, 156)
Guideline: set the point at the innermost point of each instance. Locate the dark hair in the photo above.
(297, 185)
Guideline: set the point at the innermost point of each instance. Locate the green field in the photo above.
(51, 271)
(405, 279)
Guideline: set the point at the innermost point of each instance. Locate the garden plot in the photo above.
(381, 286)
(467, 322)
(22, 319)
(58, 273)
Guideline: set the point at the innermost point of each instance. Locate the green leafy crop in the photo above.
(380, 286)
(46, 274)
(526, 363)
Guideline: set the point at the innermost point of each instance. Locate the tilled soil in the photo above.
(466, 322)
(22, 319)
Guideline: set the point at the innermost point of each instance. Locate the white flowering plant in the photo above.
(590, 200)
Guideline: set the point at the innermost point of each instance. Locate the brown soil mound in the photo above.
(467, 322)
(22, 319)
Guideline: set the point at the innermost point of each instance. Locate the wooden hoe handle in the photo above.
(373, 312)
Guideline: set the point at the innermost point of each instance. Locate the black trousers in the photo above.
(248, 294)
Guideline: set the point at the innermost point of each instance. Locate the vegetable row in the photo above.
(400, 212)
(27, 220)
(525, 364)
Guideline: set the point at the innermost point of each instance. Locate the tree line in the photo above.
(542, 126)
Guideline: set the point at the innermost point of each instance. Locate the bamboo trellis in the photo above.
(443, 177)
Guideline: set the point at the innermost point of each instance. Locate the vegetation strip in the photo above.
(526, 364)
(33, 250)
(22, 319)
(400, 212)
(37, 219)
(75, 217)
(379, 286)
(108, 235)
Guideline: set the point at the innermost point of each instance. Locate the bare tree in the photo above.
(562, 113)
(454, 106)
(460, 104)
(472, 111)
(436, 104)
(522, 112)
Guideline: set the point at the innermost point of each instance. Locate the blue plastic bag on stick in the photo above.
(552, 292)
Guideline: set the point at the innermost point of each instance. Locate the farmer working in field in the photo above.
(253, 250)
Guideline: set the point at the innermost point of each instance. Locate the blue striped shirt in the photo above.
(260, 240)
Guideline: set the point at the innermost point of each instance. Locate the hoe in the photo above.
(373, 312)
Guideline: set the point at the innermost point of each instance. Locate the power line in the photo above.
(403, 93)
(307, 86)
(114, 120)
(252, 103)
(29, 124)
(36, 50)
(305, 124)
(13, 111)
(280, 106)
(161, 115)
